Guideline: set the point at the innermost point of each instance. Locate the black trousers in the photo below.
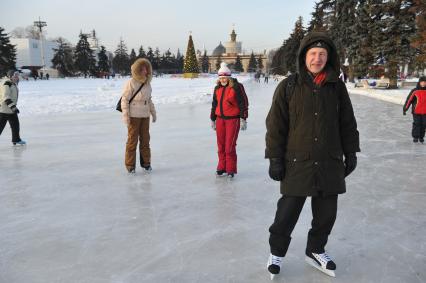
(324, 209)
(419, 126)
(14, 125)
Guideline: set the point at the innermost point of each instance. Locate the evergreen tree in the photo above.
(316, 23)
(252, 66)
(342, 32)
(418, 41)
(157, 59)
(150, 55)
(238, 64)
(7, 53)
(292, 47)
(103, 62)
(191, 63)
(260, 63)
(167, 63)
(397, 26)
(278, 62)
(323, 16)
(63, 58)
(205, 62)
(363, 32)
(142, 53)
(84, 59)
(179, 62)
(132, 57)
(121, 63)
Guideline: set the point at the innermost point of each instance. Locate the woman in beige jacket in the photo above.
(136, 114)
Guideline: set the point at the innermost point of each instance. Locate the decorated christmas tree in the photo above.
(190, 67)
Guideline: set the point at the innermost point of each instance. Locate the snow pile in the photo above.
(397, 96)
(76, 95)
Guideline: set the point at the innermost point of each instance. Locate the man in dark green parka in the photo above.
(310, 127)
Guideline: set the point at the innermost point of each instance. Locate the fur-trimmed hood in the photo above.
(136, 70)
(333, 62)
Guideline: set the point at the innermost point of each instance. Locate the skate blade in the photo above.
(313, 263)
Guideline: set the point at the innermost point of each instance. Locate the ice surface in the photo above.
(70, 212)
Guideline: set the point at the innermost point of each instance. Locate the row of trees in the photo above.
(367, 33)
(82, 60)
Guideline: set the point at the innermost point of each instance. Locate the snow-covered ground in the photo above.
(89, 95)
(70, 212)
(93, 95)
(397, 96)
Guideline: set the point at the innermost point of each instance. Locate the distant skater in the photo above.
(8, 108)
(417, 99)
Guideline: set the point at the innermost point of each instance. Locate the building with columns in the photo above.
(228, 53)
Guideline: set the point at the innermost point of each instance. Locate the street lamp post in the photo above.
(40, 26)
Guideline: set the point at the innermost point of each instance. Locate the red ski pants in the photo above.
(227, 134)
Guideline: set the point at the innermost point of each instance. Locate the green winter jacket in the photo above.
(312, 128)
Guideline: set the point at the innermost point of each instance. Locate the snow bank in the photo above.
(76, 95)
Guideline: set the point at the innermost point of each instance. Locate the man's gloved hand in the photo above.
(14, 109)
(154, 118)
(350, 163)
(404, 113)
(243, 124)
(276, 169)
(213, 125)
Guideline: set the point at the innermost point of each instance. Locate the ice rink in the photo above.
(69, 212)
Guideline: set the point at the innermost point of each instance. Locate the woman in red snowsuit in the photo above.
(228, 116)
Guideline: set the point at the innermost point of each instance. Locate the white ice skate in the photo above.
(274, 265)
(19, 143)
(322, 262)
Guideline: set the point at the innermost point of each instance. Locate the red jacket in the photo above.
(417, 98)
(228, 103)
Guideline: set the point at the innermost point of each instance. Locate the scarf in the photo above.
(320, 78)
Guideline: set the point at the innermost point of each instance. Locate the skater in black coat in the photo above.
(310, 128)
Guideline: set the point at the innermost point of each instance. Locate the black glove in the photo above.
(276, 169)
(15, 110)
(404, 113)
(350, 163)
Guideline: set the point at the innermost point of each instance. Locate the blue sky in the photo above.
(164, 24)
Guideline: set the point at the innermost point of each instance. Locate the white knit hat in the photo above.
(224, 70)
